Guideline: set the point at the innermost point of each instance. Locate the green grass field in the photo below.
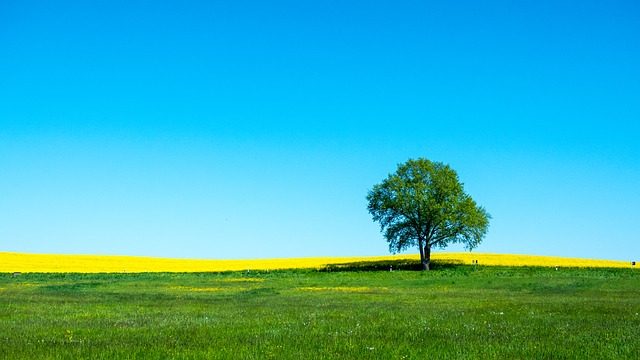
(360, 311)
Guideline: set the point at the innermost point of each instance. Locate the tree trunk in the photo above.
(426, 260)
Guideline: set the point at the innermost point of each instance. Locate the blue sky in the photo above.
(252, 129)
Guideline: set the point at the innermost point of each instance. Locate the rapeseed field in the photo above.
(49, 263)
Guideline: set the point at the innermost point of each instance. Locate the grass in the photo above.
(357, 310)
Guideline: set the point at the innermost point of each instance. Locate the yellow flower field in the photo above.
(44, 263)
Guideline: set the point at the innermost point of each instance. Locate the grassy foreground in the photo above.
(455, 311)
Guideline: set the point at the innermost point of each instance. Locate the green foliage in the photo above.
(424, 204)
(389, 265)
(454, 312)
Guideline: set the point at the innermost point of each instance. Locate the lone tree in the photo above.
(424, 204)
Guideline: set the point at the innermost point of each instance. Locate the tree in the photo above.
(423, 203)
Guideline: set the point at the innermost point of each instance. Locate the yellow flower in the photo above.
(25, 263)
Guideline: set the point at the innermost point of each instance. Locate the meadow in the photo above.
(348, 310)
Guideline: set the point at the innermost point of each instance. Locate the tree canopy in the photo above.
(424, 204)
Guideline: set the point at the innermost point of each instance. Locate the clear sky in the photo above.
(254, 129)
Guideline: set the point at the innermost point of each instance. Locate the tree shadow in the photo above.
(389, 265)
